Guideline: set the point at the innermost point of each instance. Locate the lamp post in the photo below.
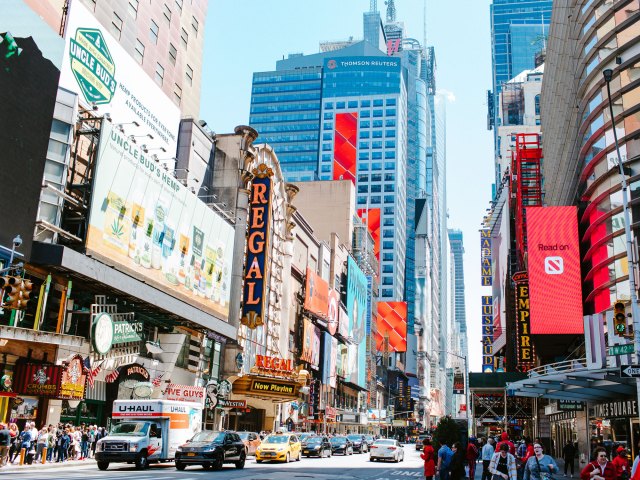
(608, 75)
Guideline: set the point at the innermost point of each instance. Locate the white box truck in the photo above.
(148, 431)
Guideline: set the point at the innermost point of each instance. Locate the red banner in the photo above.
(37, 380)
(392, 322)
(371, 216)
(554, 271)
(344, 146)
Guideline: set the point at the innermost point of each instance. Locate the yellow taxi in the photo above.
(283, 447)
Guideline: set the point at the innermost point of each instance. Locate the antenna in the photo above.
(373, 6)
(391, 11)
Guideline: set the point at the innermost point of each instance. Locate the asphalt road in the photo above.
(335, 468)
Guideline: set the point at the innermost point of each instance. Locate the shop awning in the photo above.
(582, 385)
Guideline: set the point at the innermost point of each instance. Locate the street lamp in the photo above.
(608, 75)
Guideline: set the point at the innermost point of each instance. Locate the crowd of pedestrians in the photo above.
(61, 443)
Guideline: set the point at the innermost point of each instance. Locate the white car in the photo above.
(386, 449)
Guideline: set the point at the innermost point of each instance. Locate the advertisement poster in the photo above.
(391, 322)
(330, 360)
(316, 298)
(24, 408)
(458, 383)
(105, 76)
(371, 217)
(74, 377)
(333, 312)
(356, 305)
(37, 380)
(315, 347)
(307, 341)
(147, 224)
(344, 146)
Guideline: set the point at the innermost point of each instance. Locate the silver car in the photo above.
(386, 449)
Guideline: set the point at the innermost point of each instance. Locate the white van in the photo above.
(148, 431)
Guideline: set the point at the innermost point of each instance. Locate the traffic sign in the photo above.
(621, 349)
(630, 371)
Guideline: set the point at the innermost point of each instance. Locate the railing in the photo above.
(566, 366)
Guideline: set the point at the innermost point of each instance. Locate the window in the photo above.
(328, 116)
(173, 54)
(377, 113)
(116, 26)
(389, 188)
(391, 102)
(387, 257)
(377, 103)
(167, 13)
(132, 9)
(153, 32)
(195, 25)
(387, 293)
(184, 37)
(328, 105)
(189, 74)
(159, 77)
(389, 199)
(365, 103)
(363, 188)
(387, 245)
(340, 105)
(177, 94)
(179, 4)
(353, 104)
(391, 112)
(376, 177)
(139, 53)
(537, 104)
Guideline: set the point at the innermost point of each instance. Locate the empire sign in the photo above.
(524, 348)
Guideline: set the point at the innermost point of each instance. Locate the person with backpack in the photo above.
(444, 461)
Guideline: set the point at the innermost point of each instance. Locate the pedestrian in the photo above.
(600, 468)
(444, 461)
(486, 454)
(5, 444)
(428, 455)
(568, 455)
(84, 444)
(621, 462)
(540, 466)
(504, 438)
(42, 443)
(472, 457)
(62, 444)
(456, 466)
(503, 464)
(51, 443)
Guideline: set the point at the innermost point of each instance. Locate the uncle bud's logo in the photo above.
(92, 65)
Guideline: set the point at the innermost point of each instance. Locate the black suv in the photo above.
(316, 445)
(212, 450)
(360, 445)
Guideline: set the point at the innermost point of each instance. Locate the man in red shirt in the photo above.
(621, 462)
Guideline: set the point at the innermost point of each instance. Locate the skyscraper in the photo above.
(460, 317)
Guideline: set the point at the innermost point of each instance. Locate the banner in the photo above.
(371, 217)
(316, 295)
(391, 322)
(525, 354)
(345, 146)
(37, 380)
(486, 273)
(74, 378)
(487, 334)
(356, 305)
(185, 393)
(307, 341)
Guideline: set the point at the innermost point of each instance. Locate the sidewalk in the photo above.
(46, 466)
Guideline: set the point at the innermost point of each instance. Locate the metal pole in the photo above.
(608, 73)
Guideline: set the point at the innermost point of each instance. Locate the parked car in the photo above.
(279, 446)
(211, 450)
(386, 449)
(251, 441)
(359, 443)
(419, 445)
(316, 446)
(341, 444)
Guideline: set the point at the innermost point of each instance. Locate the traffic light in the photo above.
(15, 292)
(619, 319)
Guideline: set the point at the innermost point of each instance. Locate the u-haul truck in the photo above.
(148, 431)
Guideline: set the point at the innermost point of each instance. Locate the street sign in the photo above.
(621, 349)
(630, 371)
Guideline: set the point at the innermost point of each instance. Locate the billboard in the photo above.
(458, 383)
(316, 295)
(105, 76)
(147, 224)
(310, 344)
(486, 273)
(554, 271)
(30, 61)
(500, 270)
(330, 363)
(333, 311)
(356, 305)
(344, 146)
(371, 216)
(391, 322)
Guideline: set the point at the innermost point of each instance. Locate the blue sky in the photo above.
(249, 36)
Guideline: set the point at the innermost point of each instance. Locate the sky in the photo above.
(250, 36)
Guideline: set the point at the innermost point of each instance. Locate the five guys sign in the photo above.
(255, 267)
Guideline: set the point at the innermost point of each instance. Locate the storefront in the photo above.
(616, 423)
(563, 429)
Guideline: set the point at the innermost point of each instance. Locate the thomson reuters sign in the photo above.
(554, 270)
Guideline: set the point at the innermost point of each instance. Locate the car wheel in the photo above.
(103, 465)
(287, 458)
(299, 456)
(396, 459)
(206, 466)
(217, 463)
(372, 459)
(180, 466)
(240, 463)
(258, 461)
(142, 462)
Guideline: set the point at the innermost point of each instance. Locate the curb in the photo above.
(46, 466)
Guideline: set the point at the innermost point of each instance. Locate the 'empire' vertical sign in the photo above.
(524, 348)
(487, 334)
(255, 267)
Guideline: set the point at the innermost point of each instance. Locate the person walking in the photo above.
(5, 444)
(600, 468)
(568, 455)
(503, 464)
(444, 461)
(540, 466)
(456, 466)
(486, 455)
(472, 456)
(621, 462)
(428, 455)
(84, 443)
(51, 443)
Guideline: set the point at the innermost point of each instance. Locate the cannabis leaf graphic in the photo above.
(116, 228)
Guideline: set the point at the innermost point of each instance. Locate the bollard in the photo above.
(44, 455)
(22, 452)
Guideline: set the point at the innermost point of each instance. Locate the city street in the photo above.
(336, 467)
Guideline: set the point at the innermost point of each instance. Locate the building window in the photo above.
(189, 74)
(177, 94)
(153, 32)
(352, 104)
(387, 245)
(167, 13)
(387, 257)
(116, 26)
(184, 37)
(173, 54)
(179, 4)
(365, 103)
(195, 25)
(159, 77)
(377, 102)
(139, 53)
(132, 9)
(537, 104)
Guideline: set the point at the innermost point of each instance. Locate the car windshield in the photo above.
(354, 437)
(386, 442)
(276, 439)
(313, 440)
(304, 436)
(207, 436)
(138, 429)
(338, 439)
(369, 437)
(243, 435)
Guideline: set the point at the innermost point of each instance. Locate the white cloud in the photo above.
(450, 96)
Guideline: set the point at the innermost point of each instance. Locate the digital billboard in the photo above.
(554, 271)
(371, 217)
(147, 224)
(356, 304)
(344, 146)
(105, 76)
(30, 61)
(391, 322)
(316, 295)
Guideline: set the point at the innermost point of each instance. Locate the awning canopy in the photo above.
(582, 385)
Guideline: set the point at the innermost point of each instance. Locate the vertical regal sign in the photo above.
(487, 334)
(485, 258)
(524, 347)
(255, 267)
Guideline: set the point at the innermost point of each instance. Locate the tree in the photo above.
(447, 431)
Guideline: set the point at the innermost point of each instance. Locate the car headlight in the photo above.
(179, 449)
(210, 448)
(317, 447)
(133, 447)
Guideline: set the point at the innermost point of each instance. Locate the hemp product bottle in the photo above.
(137, 222)
(147, 242)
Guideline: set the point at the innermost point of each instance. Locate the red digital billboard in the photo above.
(554, 271)
(391, 322)
(344, 146)
(371, 216)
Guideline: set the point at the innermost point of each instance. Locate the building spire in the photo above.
(391, 10)
(373, 6)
